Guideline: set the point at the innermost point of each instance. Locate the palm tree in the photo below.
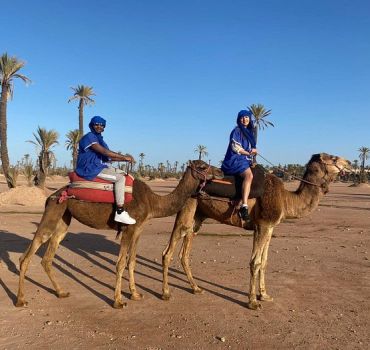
(364, 154)
(45, 140)
(355, 164)
(141, 163)
(175, 164)
(73, 137)
(260, 113)
(161, 169)
(82, 93)
(202, 150)
(9, 70)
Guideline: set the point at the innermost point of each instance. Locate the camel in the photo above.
(144, 206)
(275, 205)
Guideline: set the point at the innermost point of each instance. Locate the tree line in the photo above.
(45, 140)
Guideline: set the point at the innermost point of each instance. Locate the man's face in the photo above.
(98, 127)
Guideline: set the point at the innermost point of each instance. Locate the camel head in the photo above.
(202, 171)
(330, 166)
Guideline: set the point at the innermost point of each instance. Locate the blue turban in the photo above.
(247, 131)
(244, 113)
(96, 120)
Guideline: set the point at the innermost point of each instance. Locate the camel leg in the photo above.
(184, 255)
(135, 295)
(121, 265)
(263, 294)
(183, 225)
(47, 260)
(52, 215)
(261, 237)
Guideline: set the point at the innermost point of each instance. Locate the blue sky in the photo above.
(171, 75)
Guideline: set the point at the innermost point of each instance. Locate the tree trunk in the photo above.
(362, 171)
(3, 135)
(42, 169)
(255, 133)
(81, 117)
(74, 158)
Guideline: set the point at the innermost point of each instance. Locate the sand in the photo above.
(318, 274)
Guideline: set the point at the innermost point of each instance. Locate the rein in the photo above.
(293, 176)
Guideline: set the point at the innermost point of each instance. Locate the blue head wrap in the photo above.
(247, 130)
(96, 120)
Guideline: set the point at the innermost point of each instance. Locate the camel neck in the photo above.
(172, 203)
(305, 199)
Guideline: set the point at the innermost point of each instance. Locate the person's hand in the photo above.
(253, 151)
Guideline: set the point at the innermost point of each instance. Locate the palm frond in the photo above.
(82, 92)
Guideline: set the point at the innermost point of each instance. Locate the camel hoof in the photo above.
(198, 290)
(21, 303)
(265, 297)
(119, 304)
(63, 295)
(253, 305)
(166, 296)
(136, 296)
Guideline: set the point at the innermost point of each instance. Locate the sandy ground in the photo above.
(318, 274)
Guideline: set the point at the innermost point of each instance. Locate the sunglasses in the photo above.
(99, 124)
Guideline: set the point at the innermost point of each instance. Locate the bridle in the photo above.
(322, 186)
(202, 173)
(336, 165)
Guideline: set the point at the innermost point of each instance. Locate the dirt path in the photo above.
(318, 274)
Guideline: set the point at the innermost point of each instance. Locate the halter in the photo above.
(306, 181)
(203, 173)
(336, 165)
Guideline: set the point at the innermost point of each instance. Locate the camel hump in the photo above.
(97, 190)
(231, 186)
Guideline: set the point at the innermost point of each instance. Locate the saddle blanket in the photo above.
(231, 186)
(97, 190)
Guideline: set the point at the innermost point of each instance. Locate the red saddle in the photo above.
(96, 190)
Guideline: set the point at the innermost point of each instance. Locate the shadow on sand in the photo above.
(94, 247)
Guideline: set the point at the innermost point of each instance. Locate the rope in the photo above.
(286, 172)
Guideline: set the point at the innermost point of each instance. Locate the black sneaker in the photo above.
(243, 213)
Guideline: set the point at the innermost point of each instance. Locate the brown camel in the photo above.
(275, 205)
(144, 206)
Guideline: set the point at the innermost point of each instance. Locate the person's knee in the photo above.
(248, 175)
(119, 177)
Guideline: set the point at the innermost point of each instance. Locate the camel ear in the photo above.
(325, 156)
(316, 157)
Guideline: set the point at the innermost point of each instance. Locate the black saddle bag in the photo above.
(231, 186)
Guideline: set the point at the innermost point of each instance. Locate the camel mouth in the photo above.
(219, 175)
(346, 167)
(343, 166)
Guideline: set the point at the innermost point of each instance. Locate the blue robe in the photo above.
(235, 163)
(89, 162)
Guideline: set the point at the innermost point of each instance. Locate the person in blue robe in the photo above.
(239, 154)
(94, 160)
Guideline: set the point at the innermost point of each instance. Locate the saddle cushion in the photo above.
(97, 190)
(231, 186)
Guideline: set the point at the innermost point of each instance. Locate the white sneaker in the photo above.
(124, 218)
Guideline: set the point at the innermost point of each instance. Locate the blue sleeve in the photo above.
(88, 140)
(236, 135)
(246, 141)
